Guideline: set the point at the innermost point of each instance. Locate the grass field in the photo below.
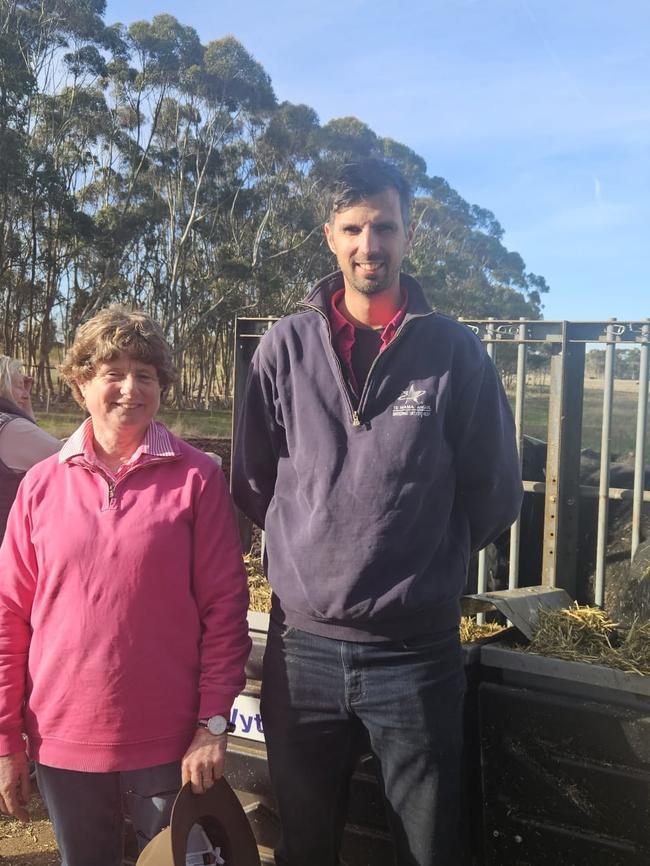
(623, 415)
(191, 423)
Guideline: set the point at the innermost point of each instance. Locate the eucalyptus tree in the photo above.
(16, 86)
(459, 258)
(142, 166)
(39, 211)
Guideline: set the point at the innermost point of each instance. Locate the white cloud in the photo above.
(597, 189)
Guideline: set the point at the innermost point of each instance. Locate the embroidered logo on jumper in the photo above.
(412, 402)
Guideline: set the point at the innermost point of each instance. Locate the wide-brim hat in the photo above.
(222, 817)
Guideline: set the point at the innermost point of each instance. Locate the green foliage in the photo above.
(347, 138)
(463, 266)
(234, 77)
(141, 166)
(165, 49)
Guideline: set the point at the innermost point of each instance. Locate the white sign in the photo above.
(246, 718)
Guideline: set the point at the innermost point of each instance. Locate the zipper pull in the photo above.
(111, 491)
(356, 421)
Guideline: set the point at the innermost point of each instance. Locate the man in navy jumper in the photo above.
(376, 447)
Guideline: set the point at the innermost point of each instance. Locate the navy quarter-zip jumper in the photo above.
(372, 507)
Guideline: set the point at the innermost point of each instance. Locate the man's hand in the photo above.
(204, 761)
(14, 785)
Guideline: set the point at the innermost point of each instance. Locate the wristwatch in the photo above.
(217, 725)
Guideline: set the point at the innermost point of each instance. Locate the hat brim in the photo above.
(220, 813)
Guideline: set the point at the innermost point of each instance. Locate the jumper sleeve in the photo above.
(221, 591)
(259, 443)
(18, 578)
(22, 444)
(487, 463)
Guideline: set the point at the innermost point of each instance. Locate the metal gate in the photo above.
(565, 343)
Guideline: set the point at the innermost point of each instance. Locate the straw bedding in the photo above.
(587, 634)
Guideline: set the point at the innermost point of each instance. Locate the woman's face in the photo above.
(123, 395)
(20, 388)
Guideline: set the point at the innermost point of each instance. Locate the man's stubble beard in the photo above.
(371, 289)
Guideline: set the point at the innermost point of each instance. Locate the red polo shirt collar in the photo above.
(343, 332)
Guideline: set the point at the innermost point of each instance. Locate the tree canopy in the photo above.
(142, 166)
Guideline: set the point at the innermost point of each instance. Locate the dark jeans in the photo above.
(318, 694)
(87, 809)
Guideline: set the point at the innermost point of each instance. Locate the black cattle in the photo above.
(627, 587)
(627, 592)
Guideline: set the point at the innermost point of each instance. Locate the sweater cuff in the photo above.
(209, 707)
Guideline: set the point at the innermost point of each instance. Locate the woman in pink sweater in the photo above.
(123, 601)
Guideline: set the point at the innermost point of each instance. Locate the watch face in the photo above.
(217, 725)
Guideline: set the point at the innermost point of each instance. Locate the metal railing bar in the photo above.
(542, 330)
(515, 529)
(639, 448)
(481, 571)
(603, 489)
(618, 493)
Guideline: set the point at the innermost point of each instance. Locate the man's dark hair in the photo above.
(357, 181)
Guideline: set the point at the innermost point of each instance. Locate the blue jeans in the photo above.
(87, 813)
(318, 693)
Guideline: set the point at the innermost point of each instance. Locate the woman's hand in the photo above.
(204, 761)
(14, 785)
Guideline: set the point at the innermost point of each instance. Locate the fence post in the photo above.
(563, 462)
(481, 572)
(639, 449)
(513, 565)
(242, 356)
(605, 452)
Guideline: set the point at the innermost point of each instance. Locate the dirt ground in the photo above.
(28, 844)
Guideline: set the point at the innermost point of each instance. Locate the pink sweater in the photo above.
(122, 609)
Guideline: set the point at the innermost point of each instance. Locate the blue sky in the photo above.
(536, 109)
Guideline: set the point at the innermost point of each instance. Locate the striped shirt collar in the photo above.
(157, 442)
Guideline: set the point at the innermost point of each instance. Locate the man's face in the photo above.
(369, 241)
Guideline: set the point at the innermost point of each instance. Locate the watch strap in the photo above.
(204, 723)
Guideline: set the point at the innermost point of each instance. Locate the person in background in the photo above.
(123, 601)
(22, 442)
(377, 449)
